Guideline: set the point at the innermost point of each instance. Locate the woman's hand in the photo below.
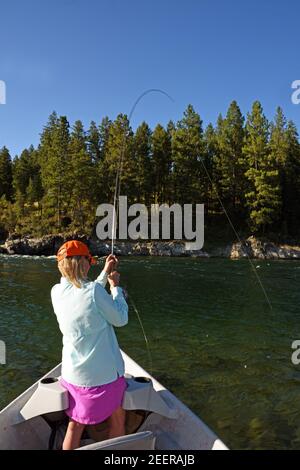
(110, 263)
(114, 279)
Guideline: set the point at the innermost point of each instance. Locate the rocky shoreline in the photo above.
(251, 247)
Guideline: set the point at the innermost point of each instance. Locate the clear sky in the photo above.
(91, 58)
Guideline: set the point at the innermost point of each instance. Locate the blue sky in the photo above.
(91, 58)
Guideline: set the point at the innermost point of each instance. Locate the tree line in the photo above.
(249, 166)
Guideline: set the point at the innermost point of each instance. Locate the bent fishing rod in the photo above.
(116, 212)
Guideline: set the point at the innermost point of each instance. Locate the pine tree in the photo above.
(6, 188)
(291, 185)
(55, 167)
(25, 168)
(120, 143)
(171, 128)
(161, 163)
(263, 196)
(21, 172)
(97, 144)
(93, 143)
(81, 174)
(30, 193)
(104, 129)
(229, 159)
(142, 158)
(8, 218)
(187, 147)
(278, 146)
(210, 157)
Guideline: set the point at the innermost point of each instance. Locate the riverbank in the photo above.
(251, 247)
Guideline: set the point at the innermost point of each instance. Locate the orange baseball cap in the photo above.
(75, 248)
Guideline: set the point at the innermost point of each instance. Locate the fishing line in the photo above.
(116, 206)
(237, 235)
(144, 333)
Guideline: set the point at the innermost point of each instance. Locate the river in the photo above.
(213, 339)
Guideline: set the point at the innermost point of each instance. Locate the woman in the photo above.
(92, 364)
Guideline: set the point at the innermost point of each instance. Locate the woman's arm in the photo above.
(102, 278)
(112, 307)
(110, 264)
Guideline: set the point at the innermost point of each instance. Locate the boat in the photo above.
(155, 418)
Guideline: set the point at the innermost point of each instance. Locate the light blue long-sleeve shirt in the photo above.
(91, 355)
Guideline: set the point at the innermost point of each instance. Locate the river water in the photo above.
(214, 340)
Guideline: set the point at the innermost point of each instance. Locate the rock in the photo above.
(241, 250)
(140, 248)
(259, 249)
(178, 249)
(99, 248)
(47, 245)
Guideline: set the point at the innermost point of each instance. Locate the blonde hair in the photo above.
(74, 269)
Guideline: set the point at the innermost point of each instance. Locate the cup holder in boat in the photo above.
(142, 380)
(49, 380)
(128, 376)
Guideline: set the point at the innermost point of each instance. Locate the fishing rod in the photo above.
(121, 159)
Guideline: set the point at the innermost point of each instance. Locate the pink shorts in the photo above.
(92, 405)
